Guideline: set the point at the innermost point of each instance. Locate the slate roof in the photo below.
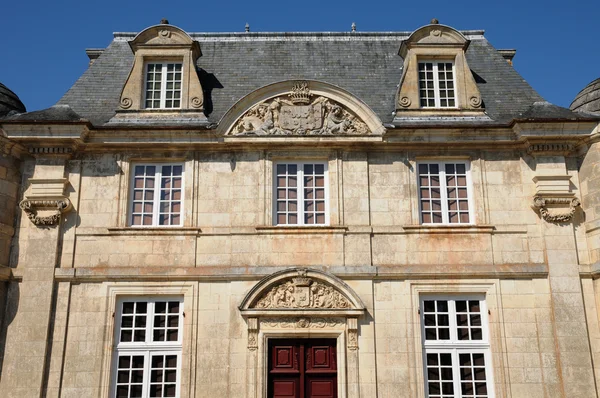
(9, 102)
(365, 64)
(588, 99)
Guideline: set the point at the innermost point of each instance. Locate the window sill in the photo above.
(300, 229)
(153, 231)
(447, 228)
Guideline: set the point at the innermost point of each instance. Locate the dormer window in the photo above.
(436, 84)
(163, 85)
(435, 65)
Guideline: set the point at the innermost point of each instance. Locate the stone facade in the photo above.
(529, 251)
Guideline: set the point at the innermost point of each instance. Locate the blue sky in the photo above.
(43, 50)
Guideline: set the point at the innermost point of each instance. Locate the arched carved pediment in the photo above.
(301, 289)
(301, 108)
(164, 35)
(302, 299)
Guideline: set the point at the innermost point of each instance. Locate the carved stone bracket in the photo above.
(252, 334)
(46, 196)
(352, 334)
(540, 203)
(299, 112)
(31, 208)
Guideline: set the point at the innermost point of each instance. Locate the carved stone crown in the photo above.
(300, 93)
(301, 281)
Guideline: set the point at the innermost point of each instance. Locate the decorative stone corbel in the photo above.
(46, 201)
(252, 334)
(352, 334)
(564, 216)
(31, 208)
(554, 191)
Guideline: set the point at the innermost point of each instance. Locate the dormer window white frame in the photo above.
(437, 86)
(163, 85)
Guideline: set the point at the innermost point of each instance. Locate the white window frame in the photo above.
(163, 83)
(436, 83)
(454, 346)
(148, 348)
(156, 200)
(300, 189)
(444, 192)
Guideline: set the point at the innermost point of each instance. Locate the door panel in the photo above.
(302, 368)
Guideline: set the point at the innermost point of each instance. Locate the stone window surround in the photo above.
(156, 196)
(487, 289)
(127, 164)
(456, 345)
(443, 193)
(443, 43)
(115, 291)
(300, 188)
(146, 348)
(333, 185)
(162, 43)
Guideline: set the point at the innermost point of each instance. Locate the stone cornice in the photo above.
(420, 271)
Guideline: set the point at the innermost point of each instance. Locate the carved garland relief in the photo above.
(299, 113)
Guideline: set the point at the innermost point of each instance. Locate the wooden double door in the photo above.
(302, 368)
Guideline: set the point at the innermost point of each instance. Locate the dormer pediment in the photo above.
(165, 36)
(434, 35)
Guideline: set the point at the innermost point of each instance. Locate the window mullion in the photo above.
(436, 85)
(157, 184)
(300, 185)
(444, 194)
(163, 85)
(456, 374)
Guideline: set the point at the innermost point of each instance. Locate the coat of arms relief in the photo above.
(303, 292)
(299, 113)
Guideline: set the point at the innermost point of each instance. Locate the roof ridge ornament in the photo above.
(434, 21)
(164, 21)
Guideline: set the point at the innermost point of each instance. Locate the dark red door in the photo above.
(302, 368)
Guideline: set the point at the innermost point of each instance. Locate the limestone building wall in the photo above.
(527, 269)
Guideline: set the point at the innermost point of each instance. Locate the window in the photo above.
(436, 85)
(163, 85)
(301, 194)
(444, 193)
(456, 349)
(148, 348)
(156, 195)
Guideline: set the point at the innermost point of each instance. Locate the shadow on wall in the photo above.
(9, 304)
(209, 82)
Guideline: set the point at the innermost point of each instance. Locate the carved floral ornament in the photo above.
(299, 112)
(56, 208)
(541, 203)
(302, 300)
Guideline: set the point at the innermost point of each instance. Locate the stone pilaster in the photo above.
(29, 332)
(573, 354)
